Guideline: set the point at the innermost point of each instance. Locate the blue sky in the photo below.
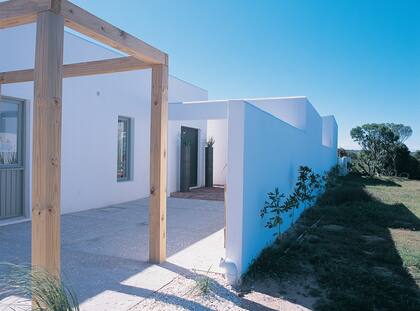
(358, 60)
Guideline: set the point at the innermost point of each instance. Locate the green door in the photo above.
(189, 162)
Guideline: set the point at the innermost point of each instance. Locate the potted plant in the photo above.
(209, 162)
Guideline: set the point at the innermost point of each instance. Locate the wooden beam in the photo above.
(80, 69)
(46, 156)
(158, 162)
(98, 29)
(16, 76)
(19, 12)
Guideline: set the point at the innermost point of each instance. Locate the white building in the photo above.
(92, 107)
(260, 143)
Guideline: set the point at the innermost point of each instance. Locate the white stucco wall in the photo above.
(174, 152)
(218, 129)
(296, 111)
(291, 110)
(265, 152)
(210, 117)
(198, 110)
(91, 106)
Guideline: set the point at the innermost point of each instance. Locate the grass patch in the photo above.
(364, 252)
(203, 285)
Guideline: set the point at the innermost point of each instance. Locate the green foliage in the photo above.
(341, 152)
(406, 164)
(343, 194)
(277, 204)
(383, 149)
(307, 185)
(402, 131)
(273, 205)
(360, 246)
(416, 155)
(330, 179)
(210, 143)
(378, 143)
(47, 292)
(203, 283)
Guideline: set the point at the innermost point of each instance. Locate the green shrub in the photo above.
(307, 186)
(344, 194)
(47, 292)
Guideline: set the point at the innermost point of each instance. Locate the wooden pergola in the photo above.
(51, 16)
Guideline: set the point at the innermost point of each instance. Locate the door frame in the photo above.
(26, 159)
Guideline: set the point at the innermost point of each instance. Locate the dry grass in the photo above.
(372, 262)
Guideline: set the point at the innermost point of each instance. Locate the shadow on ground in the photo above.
(349, 260)
(368, 181)
(103, 248)
(105, 253)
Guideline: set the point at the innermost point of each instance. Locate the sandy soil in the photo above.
(185, 293)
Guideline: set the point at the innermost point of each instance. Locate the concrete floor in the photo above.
(105, 251)
(202, 193)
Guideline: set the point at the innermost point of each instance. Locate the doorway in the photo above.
(11, 157)
(189, 156)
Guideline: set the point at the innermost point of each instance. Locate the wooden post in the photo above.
(158, 159)
(46, 157)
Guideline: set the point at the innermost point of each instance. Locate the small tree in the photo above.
(379, 144)
(306, 188)
(275, 205)
(305, 191)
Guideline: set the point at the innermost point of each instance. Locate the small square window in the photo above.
(124, 149)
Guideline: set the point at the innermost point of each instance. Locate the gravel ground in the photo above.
(185, 293)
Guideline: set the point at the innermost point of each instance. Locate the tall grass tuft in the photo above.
(47, 292)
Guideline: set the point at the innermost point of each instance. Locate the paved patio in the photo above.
(105, 251)
(202, 193)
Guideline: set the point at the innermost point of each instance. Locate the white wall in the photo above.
(235, 185)
(265, 152)
(218, 129)
(91, 106)
(200, 115)
(174, 152)
(291, 110)
(207, 110)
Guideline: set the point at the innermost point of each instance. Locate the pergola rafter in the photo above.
(120, 64)
(20, 12)
(51, 16)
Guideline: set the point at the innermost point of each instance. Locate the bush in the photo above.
(47, 292)
(277, 204)
(344, 194)
(406, 163)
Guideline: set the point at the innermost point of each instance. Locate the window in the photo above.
(10, 133)
(124, 153)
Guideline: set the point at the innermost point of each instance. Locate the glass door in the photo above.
(11, 158)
